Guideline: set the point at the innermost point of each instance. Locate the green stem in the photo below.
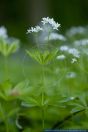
(36, 37)
(59, 124)
(43, 120)
(48, 37)
(6, 67)
(43, 81)
(6, 124)
(4, 118)
(43, 111)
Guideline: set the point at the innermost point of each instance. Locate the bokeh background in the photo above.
(62, 78)
(18, 15)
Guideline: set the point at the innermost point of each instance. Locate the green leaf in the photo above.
(21, 89)
(76, 109)
(12, 112)
(42, 57)
(30, 102)
(14, 46)
(7, 48)
(5, 89)
(2, 113)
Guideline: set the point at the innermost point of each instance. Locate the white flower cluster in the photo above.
(61, 57)
(74, 52)
(56, 36)
(73, 60)
(71, 75)
(50, 21)
(76, 30)
(64, 48)
(69, 50)
(34, 29)
(72, 98)
(3, 32)
(82, 42)
(47, 20)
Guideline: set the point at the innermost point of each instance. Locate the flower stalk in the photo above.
(6, 67)
(43, 91)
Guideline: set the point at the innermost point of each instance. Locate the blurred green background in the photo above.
(18, 15)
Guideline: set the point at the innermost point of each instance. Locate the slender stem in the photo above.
(43, 111)
(37, 42)
(6, 67)
(43, 120)
(7, 128)
(61, 123)
(4, 118)
(43, 92)
(48, 37)
(43, 81)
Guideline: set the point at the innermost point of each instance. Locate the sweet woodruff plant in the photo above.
(42, 54)
(54, 93)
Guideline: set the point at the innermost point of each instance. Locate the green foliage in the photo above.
(7, 47)
(49, 95)
(42, 57)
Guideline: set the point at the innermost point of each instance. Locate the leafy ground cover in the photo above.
(46, 86)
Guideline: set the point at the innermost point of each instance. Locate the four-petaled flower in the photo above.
(51, 22)
(34, 29)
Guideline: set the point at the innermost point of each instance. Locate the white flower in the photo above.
(61, 57)
(73, 60)
(56, 36)
(74, 52)
(3, 32)
(82, 42)
(38, 28)
(76, 30)
(34, 29)
(72, 98)
(69, 50)
(50, 21)
(64, 48)
(71, 75)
